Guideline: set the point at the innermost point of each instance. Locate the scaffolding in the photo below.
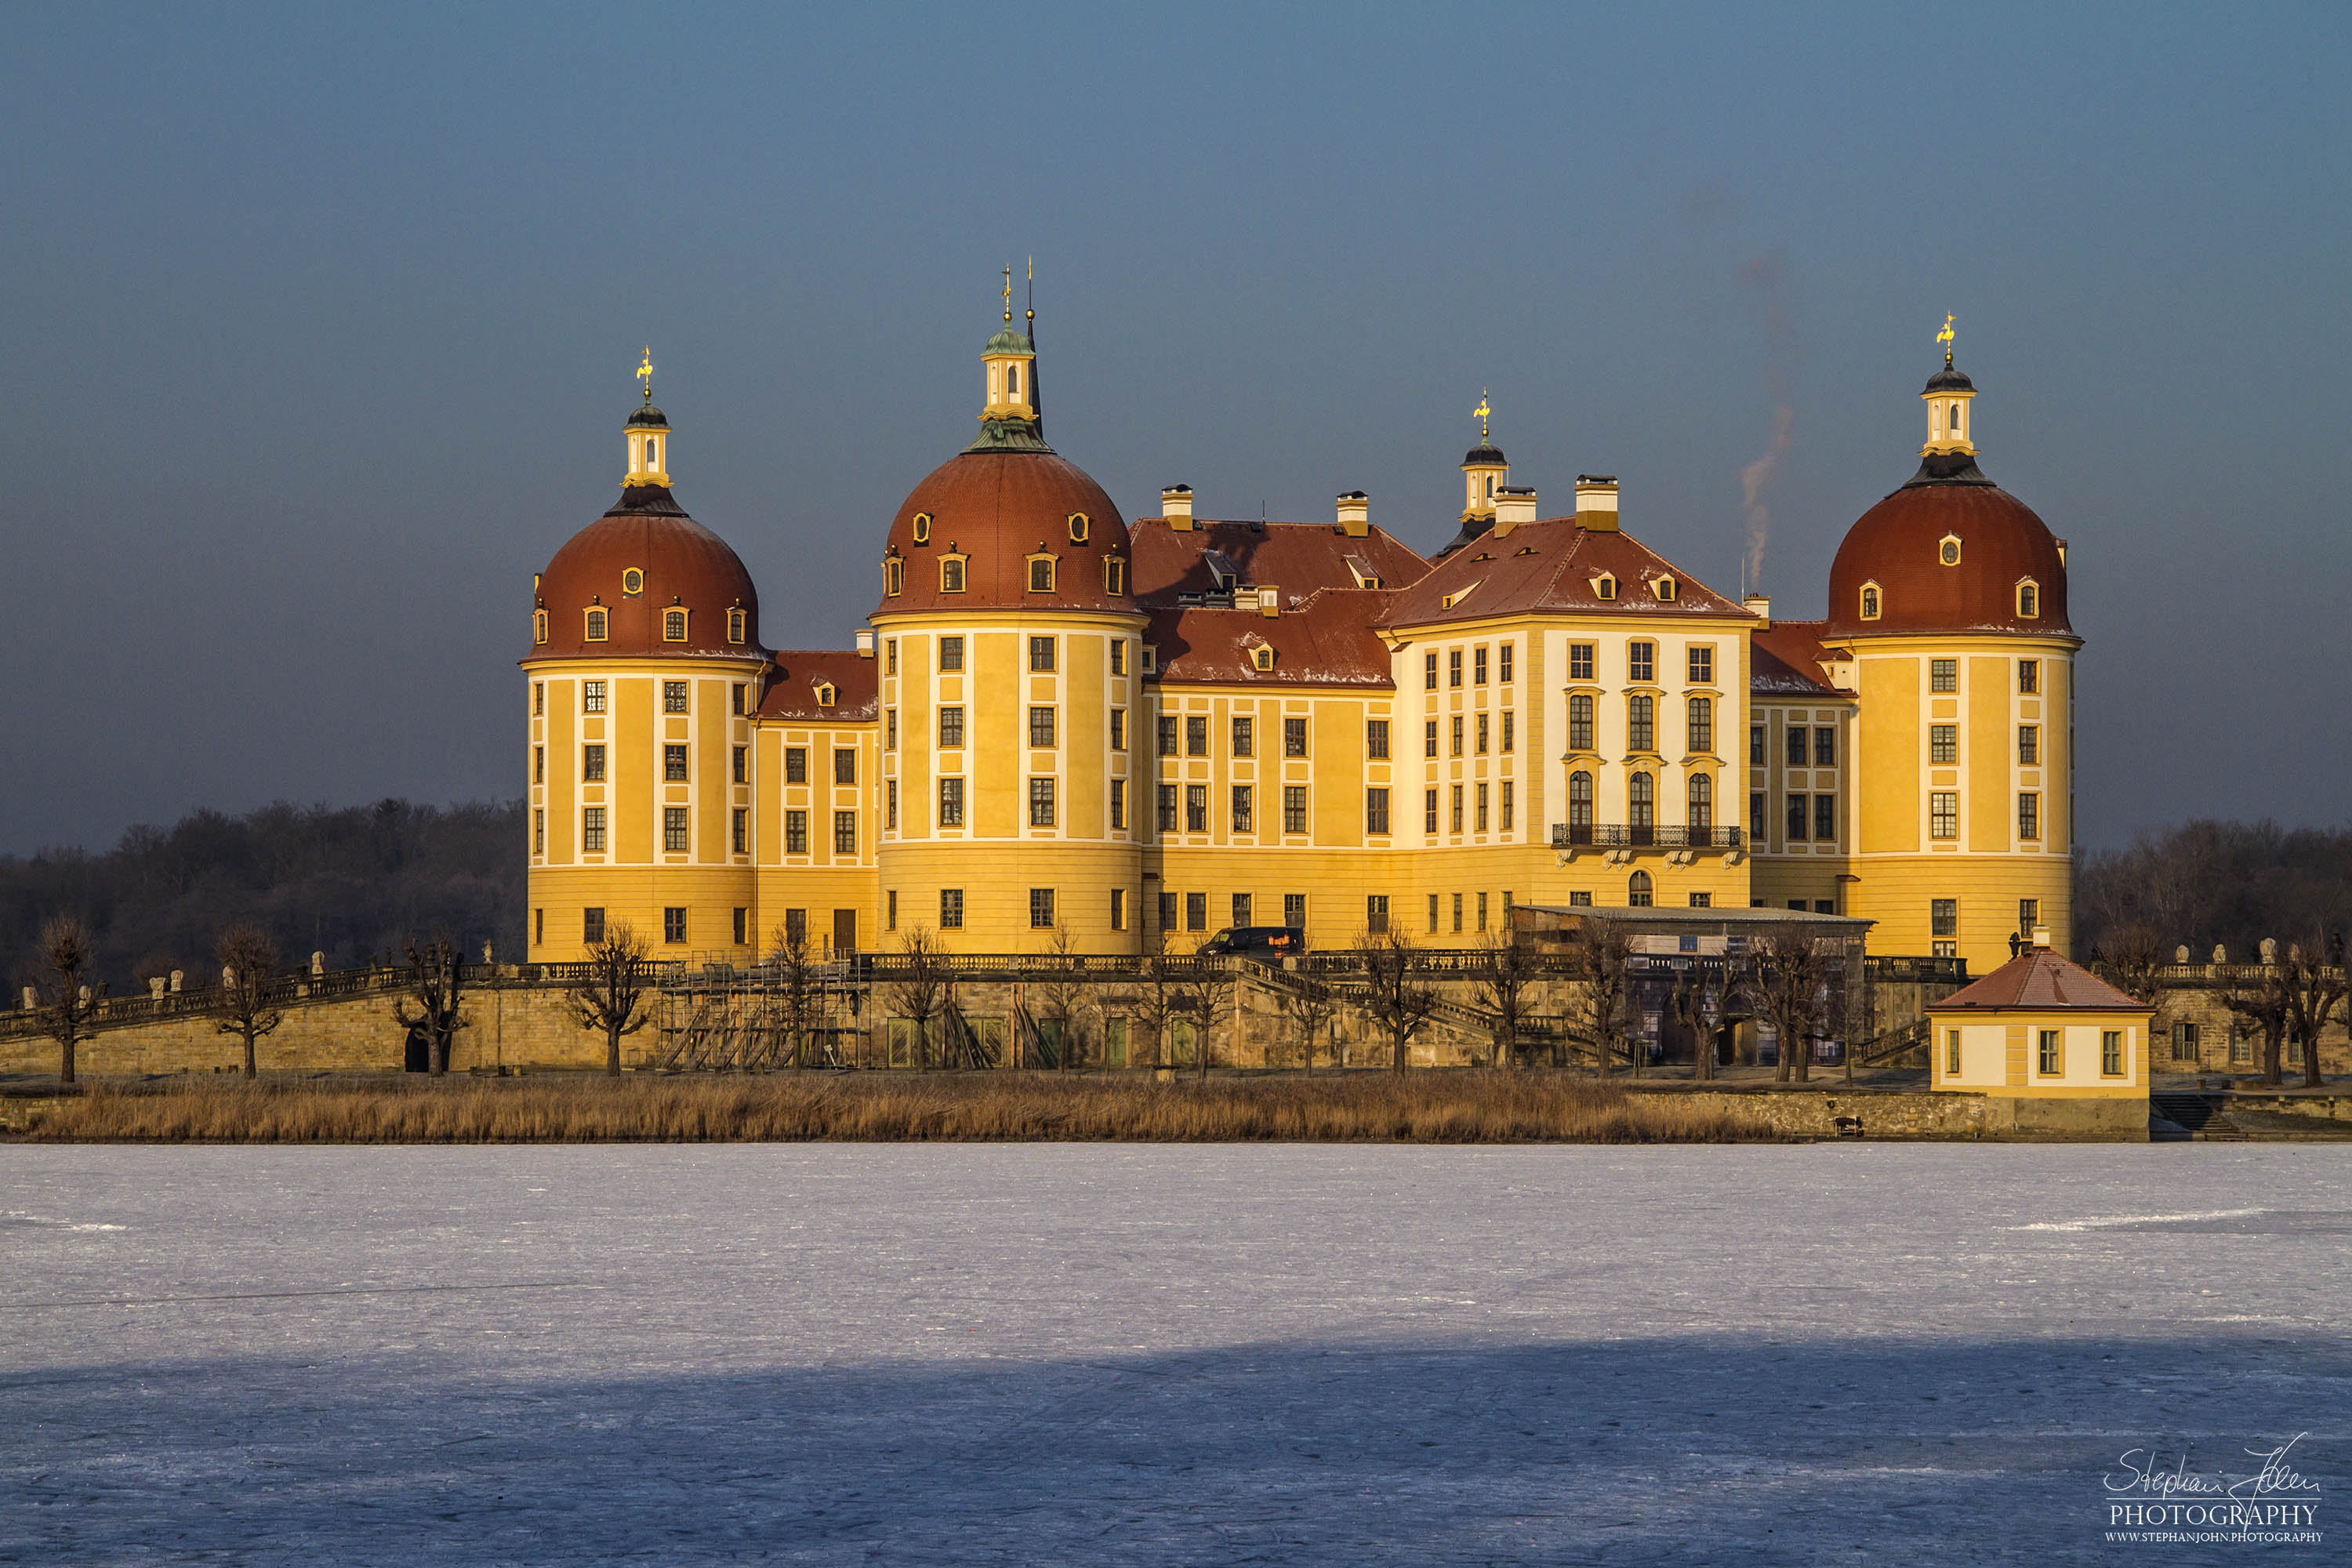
(712, 1015)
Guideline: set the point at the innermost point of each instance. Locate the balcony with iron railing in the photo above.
(1643, 836)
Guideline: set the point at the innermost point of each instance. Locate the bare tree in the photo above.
(432, 1005)
(249, 960)
(609, 998)
(2263, 995)
(1597, 951)
(1505, 969)
(70, 1001)
(1061, 994)
(1787, 972)
(1211, 994)
(1395, 996)
(1307, 1006)
(919, 992)
(1691, 998)
(2130, 957)
(799, 986)
(2315, 989)
(1160, 998)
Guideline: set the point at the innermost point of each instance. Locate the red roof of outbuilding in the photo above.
(686, 565)
(1551, 565)
(2042, 982)
(798, 673)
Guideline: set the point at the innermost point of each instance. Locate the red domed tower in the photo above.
(1011, 659)
(1949, 598)
(642, 672)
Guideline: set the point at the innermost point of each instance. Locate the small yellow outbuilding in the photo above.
(2069, 1051)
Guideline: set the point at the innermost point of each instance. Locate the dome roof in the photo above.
(685, 566)
(1009, 342)
(1950, 379)
(1898, 546)
(1485, 453)
(999, 508)
(648, 418)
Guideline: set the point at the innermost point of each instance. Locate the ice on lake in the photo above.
(1128, 1354)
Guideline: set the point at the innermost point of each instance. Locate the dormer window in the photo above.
(2029, 600)
(595, 625)
(1078, 528)
(1041, 574)
(736, 622)
(1869, 601)
(894, 576)
(951, 573)
(673, 625)
(539, 625)
(1458, 595)
(632, 581)
(1664, 587)
(1947, 549)
(1150, 659)
(1262, 658)
(922, 528)
(1114, 577)
(826, 694)
(1604, 586)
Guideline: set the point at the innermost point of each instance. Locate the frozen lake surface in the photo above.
(1124, 1354)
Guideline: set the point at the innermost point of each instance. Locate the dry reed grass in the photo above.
(1427, 1108)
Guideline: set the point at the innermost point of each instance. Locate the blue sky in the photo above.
(319, 327)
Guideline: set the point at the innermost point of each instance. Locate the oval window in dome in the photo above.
(1947, 549)
(632, 581)
(922, 528)
(1078, 526)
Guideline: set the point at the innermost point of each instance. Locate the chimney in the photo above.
(1269, 601)
(1513, 504)
(865, 643)
(2041, 938)
(1596, 502)
(1176, 506)
(1355, 514)
(1760, 607)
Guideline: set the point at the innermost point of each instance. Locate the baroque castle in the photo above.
(1062, 724)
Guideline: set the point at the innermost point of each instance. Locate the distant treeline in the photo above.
(2208, 883)
(354, 883)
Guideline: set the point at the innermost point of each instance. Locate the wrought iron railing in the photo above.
(1643, 835)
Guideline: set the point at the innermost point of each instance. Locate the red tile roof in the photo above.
(1326, 641)
(1297, 557)
(2040, 981)
(998, 508)
(1551, 565)
(793, 683)
(1896, 545)
(1786, 661)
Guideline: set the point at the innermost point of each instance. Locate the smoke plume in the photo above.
(1764, 278)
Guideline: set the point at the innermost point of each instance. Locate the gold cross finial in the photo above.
(1480, 414)
(646, 373)
(1008, 296)
(1032, 314)
(1945, 338)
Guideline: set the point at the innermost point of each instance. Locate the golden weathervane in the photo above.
(1008, 296)
(646, 373)
(1481, 413)
(1945, 338)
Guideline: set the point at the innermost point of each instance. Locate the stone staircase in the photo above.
(2200, 1117)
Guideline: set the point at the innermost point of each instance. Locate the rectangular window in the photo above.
(1167, 808)
(2029, 745)
(2111, 1053)
(674, 924)
(1478, 667)
(1943, 917)
(673, 765)
(1825, 818)
(951, 909)
(591, 926)
(844, 765)
(2029, 816)
(1041, 908)
(2241, 1045)
(1480, 793)
(1118, 805)
(1642, 662)
(796, 833)
(1242, 814)
(2029, 915)
(1167, 912)
(1118, 729)
(1041, 652)
(1294, 737)
(1429, 671)
(1943, 743)
(1798, 818)
(1580, 724)
(1453, 667)
(1118, 900)
(1432, 914)
(1429, 811)
(890, 806)
(1641, 724)
(1503, 672)
(1482, 734)
(1429, 738)
(1240, 909)
(2050, 1058)
(845, 833)
(1944, 813)
(739, 832)
(1196, 911)
(1118, 667)
(673, 696)
(951, 802)
(1376, 738)
(1506, 805)
(1943, 674)
(737, 689)
(742, 758)
(1702, 723)
(1457, 734)
(890, 656)
(1952, 1053)
(539, 699)
(1482, 911)
(890, 730)
(2185, 1047)
(1702, 901)
(1041, 727)
(1580, 661)
(796, 765)
(1040, 803)
(1376, 811)
(2028, 675)
(592, 700)
(1702, 665)
(1294, 808)
(539, 832)
(1196, 808)
(1509, 731)
(592, 829)
(1457, 911)
(1376, 913)
(1196, 735)
(538, 765)
(1244, 735)
(951, 660)
(889, 914)
(1799, 747)
(1457, 809)
(1166, 726)
(591, 763)
(1756, 814)
(1756, 752)
(1825, 746)
(1294, 911)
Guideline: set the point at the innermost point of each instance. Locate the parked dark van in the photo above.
(1262, 941)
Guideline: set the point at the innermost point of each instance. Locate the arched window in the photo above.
(1701, 723)
(1262, 657)
(1956, 417)
(539, 625)
(736, 622)
(1580, 807)
(1114, 577)
(1640, 725)
(1604, 586)
(1641, 805)
(894, 576)
(1579, 725)
(595, 625)
(2029, 600)
(952, 575)
(1011, 383)
(1664, 587)
(1638, 889)
(1702, 802)
(1869, 601)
